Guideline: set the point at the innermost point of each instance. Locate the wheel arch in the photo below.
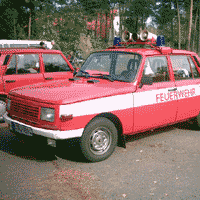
(116, 121)
(3, 98)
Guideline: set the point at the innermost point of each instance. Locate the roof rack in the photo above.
(151, 43)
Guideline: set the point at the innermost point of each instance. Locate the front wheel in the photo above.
(196, 121)
(2, 110)
(99, 139)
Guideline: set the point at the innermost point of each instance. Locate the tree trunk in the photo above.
(112, 25)
(195, 32)
(136, 24)
(106, 26)
(199, 36)
(142, 21)
(96, 27)
(190, 24)
(120, 21)
(14, 28)
(172, 35)
(29, 29)
(179, 27)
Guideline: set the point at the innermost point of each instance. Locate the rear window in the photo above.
(19, 45)
(37, 45)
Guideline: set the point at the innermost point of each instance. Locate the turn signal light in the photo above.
(65, 118)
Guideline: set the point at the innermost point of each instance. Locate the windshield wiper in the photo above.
(105, 76)
(87, 75)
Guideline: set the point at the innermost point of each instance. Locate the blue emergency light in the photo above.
(117, 41)
(160, 41)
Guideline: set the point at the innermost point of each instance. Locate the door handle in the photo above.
(49, 78)
(174, 89)
(10, 81)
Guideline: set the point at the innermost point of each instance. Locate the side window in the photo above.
(28, 64)
(181, 67)
(157, 68)
(11, 69)
(194, 69)
(55, 63)
(23, 64)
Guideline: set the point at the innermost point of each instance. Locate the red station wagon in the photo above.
(119, 91)
(25, 66)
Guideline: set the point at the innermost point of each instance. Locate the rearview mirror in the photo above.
(147, 80)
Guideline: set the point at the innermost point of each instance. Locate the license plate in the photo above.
(22, 129)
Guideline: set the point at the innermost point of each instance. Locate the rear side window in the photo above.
(55, 63)
(181, 67)
(195, 58)
(194, 69)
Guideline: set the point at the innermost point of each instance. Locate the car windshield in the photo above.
(111, 65)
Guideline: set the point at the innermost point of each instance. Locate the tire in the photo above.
(99, 139)
(196, 122)
(2, 110)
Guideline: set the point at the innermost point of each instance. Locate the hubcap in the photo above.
(100, 140)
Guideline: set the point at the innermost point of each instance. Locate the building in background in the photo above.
(102, 26)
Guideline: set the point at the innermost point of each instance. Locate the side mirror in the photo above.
(3, 68)
(147, 80)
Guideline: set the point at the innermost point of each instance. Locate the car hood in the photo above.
(67, 92)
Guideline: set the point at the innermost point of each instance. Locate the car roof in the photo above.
(151, 51)
(27, 50)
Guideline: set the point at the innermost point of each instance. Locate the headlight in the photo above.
(47, 114)
(8, 104)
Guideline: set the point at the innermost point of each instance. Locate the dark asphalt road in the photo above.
(164, 164)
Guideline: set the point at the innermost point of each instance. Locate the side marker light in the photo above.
(65, 118)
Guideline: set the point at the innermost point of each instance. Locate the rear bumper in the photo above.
(53, 134)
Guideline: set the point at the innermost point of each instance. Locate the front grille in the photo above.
(24, 111)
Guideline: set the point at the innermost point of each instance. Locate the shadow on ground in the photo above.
(183, 125)
(70, 150)
(35, 148)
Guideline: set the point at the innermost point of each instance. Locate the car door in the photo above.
(23, 69)
(154, 101)
(56, 67)
(187, 80)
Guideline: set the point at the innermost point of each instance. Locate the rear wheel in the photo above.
(99, 139)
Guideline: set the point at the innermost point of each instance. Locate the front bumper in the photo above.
(47, 133)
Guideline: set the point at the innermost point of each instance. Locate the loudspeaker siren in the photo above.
(125, 36)
(146, 35)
